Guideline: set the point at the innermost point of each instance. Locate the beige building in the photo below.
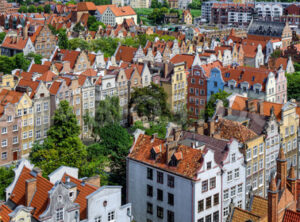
(113, 15)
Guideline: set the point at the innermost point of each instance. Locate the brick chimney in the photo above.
(94, 181)
(66, 67)
(200, 127)
(281, 169)
(177, 133)
(36, 172)
(166, 69)
(30, 189)
(170, 150)
(211, 127)
(272, 201)
(260, 107)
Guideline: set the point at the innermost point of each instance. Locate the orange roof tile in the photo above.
(54, 87)
(86, 6)
(243, 215)
(81, 79)
(89, 72)
(47, 76)
(10, 96)
(188, 166)
(125, 53)
(28, 83)
(4, 211)
(40, 198)
(14, 43)
(187, 58)
(291, 216)
(122, 11)
(101, 8)
(39, 68)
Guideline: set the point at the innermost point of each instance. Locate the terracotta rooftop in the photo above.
(47, 76)
(33, 85)
(4, 212)
(187, 58)
(228, 129)
(54, 87)
(10, 96)
(101, 8)
(89, 72)
(291, 216)
(188, 166)
(39, 68)
(122, 11)
(14, 43)
(240, 215)
(86, 6)
(125, 53)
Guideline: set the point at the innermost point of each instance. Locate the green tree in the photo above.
(62, 145)
(107, 112)
(73, 2)
(32, 9)
(78, 43)
(117, 141)
(196, 4)
(155, 4)
(211, 105)
(40, 9)
(21, 62)
(78, 27)
(276, 53)
(293, 86)
(47, 9)
(297, 67)
(37, 57)
(150, 101)
(2, 36)
(107, 45)
(93, 24)
(6, 177)
(63, 39)
(22, 9)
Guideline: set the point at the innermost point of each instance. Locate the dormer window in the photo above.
(208, 165)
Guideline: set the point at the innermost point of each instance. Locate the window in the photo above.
(60, 214)
(226, 194)
(97, 219)
(171, 217)
(4, 155)
(289, 146)
(160, 212)
(160, 195)
(255, 167)
(204, 186)
(200, 205)
(19, 112)
(149, 208)
(149, 191)
(216, 199)
(25, 135)
(261, 164)
(25, 122)
(170, 181)
(38, 121)
(4, 130)
(149, 174)
(225, 211)
(229, 176)
(208, 165)
(295, 144)
(15, 140)
(260, 179)
(25, 111)
(208, 218)
(46, 119)
(254, 183)
(9, 119)
(248, 155)
(4, 143)
(30, 134)
(38, 134)
(286, 132)
(261, 148)
(171, 199)
(232, 191)
(240, 188)
(24, 146)
(216, 216)
(111, 216)
(254, 151)
(15, 128)
(233, 157)
(38, 107)
(292, 129)
(160, 177)
(212, 183)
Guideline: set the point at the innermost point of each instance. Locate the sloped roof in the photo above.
(188, 166)
(47, 76)
(10, 96)
(39, 68)
(89, 72)
(29, 83)
(240, 215)
(54, 87)
(266, 28)
(86, 6)
(4, 213)
(122, 11)
(125, 53)
(291, 216)
(14, 43)
(187, 58)
(101, 8)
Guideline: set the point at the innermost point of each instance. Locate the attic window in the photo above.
(227, 74)
(253, 77)
(208, 165)
(42, 95)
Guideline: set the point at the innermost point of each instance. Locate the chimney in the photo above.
(170, 150)
(281, 169)
(247, 104)
(228, 111)
(211, 127)
(94, 181)
(260, 107)
(177, 133)
(166, 69)
(200, 127)
(153, 137)
(36, 172)
(30, 189)
(272, 201)
(25, 31)
(66, 67)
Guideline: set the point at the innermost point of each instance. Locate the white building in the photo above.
(112, 15)
(183, 178)
(269, 10)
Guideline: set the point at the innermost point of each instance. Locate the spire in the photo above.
(281, 155)
(197, 61)
(292, 172)
(272, 184)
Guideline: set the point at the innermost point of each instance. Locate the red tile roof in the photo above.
(4, 211)
(122, 11)
(54, 87)
(10, 96)
(40, 198)
(28, 83)
(190, 163)
(187, 58)
(81, 79)
(89, 72)
(39, 68)
(47, 76)
(86, 6)
(83, 192)
(14, 43)
(291, 216)
(101, 8)
(125, 53)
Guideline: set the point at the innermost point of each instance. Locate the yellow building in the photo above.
(175, 85)
(7, 81)
(25, 110)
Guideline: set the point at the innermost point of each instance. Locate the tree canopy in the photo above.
(62, 145)
(2, 36)
(107, 112)
(6, 177)
(293, 86)
(18, 61)
(150, 101)
(210, 107)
